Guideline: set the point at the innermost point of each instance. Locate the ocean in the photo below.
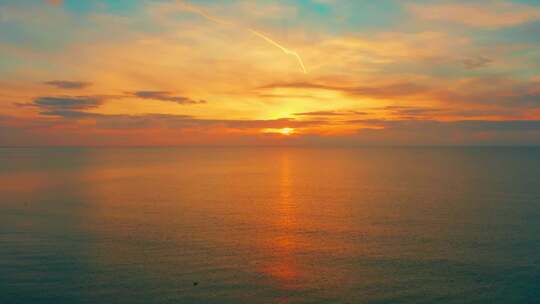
(270, 225)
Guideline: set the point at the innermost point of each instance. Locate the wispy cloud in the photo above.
(381, 91)
(477, 62)
(66, 84)
(487, 15)
(464, 125)
(167, 96)
(331, 113)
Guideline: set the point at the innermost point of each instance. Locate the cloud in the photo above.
(177, 121)
(289, 96)
(64, 104)
(299, 85)
(392, 90)
(507, 125)
(470, 92)
(55, 2)
(166, 96)
(382, 91)
(476, 62)
(412, 112)
(70, 85)
(122, 121)
(492, 90)
(418, 113)
(461, 125)
(67, 102)
(141, 130)
(71, 114)
(494, 14)
(432, 132)
(331, 113)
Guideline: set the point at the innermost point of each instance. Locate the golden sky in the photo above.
(269, 72)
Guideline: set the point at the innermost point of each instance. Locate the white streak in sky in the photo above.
(285, 50)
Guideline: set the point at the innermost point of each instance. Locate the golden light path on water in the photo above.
(283, 266)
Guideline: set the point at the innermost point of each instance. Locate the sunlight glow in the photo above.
(282, 131)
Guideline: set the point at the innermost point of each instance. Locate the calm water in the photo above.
(270, 225)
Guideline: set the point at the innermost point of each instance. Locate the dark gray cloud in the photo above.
(166, 96)
(70, 114)
(69, 85)
(67, 102)
(49, 104)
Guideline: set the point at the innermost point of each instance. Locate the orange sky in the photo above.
(269, 72)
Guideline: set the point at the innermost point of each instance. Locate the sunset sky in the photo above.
(245, 72)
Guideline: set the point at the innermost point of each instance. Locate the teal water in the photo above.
(270, 225)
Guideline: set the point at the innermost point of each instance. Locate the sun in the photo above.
(286, 131)
(282, 131)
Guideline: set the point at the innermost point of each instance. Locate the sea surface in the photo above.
(270, 225)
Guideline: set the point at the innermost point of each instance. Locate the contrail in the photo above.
(279, 46)
(285, 50)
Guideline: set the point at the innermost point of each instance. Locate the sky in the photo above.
(284, 72)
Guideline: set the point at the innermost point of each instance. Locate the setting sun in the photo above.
(286, 131)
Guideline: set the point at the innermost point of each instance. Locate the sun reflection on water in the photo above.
(283, 267)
